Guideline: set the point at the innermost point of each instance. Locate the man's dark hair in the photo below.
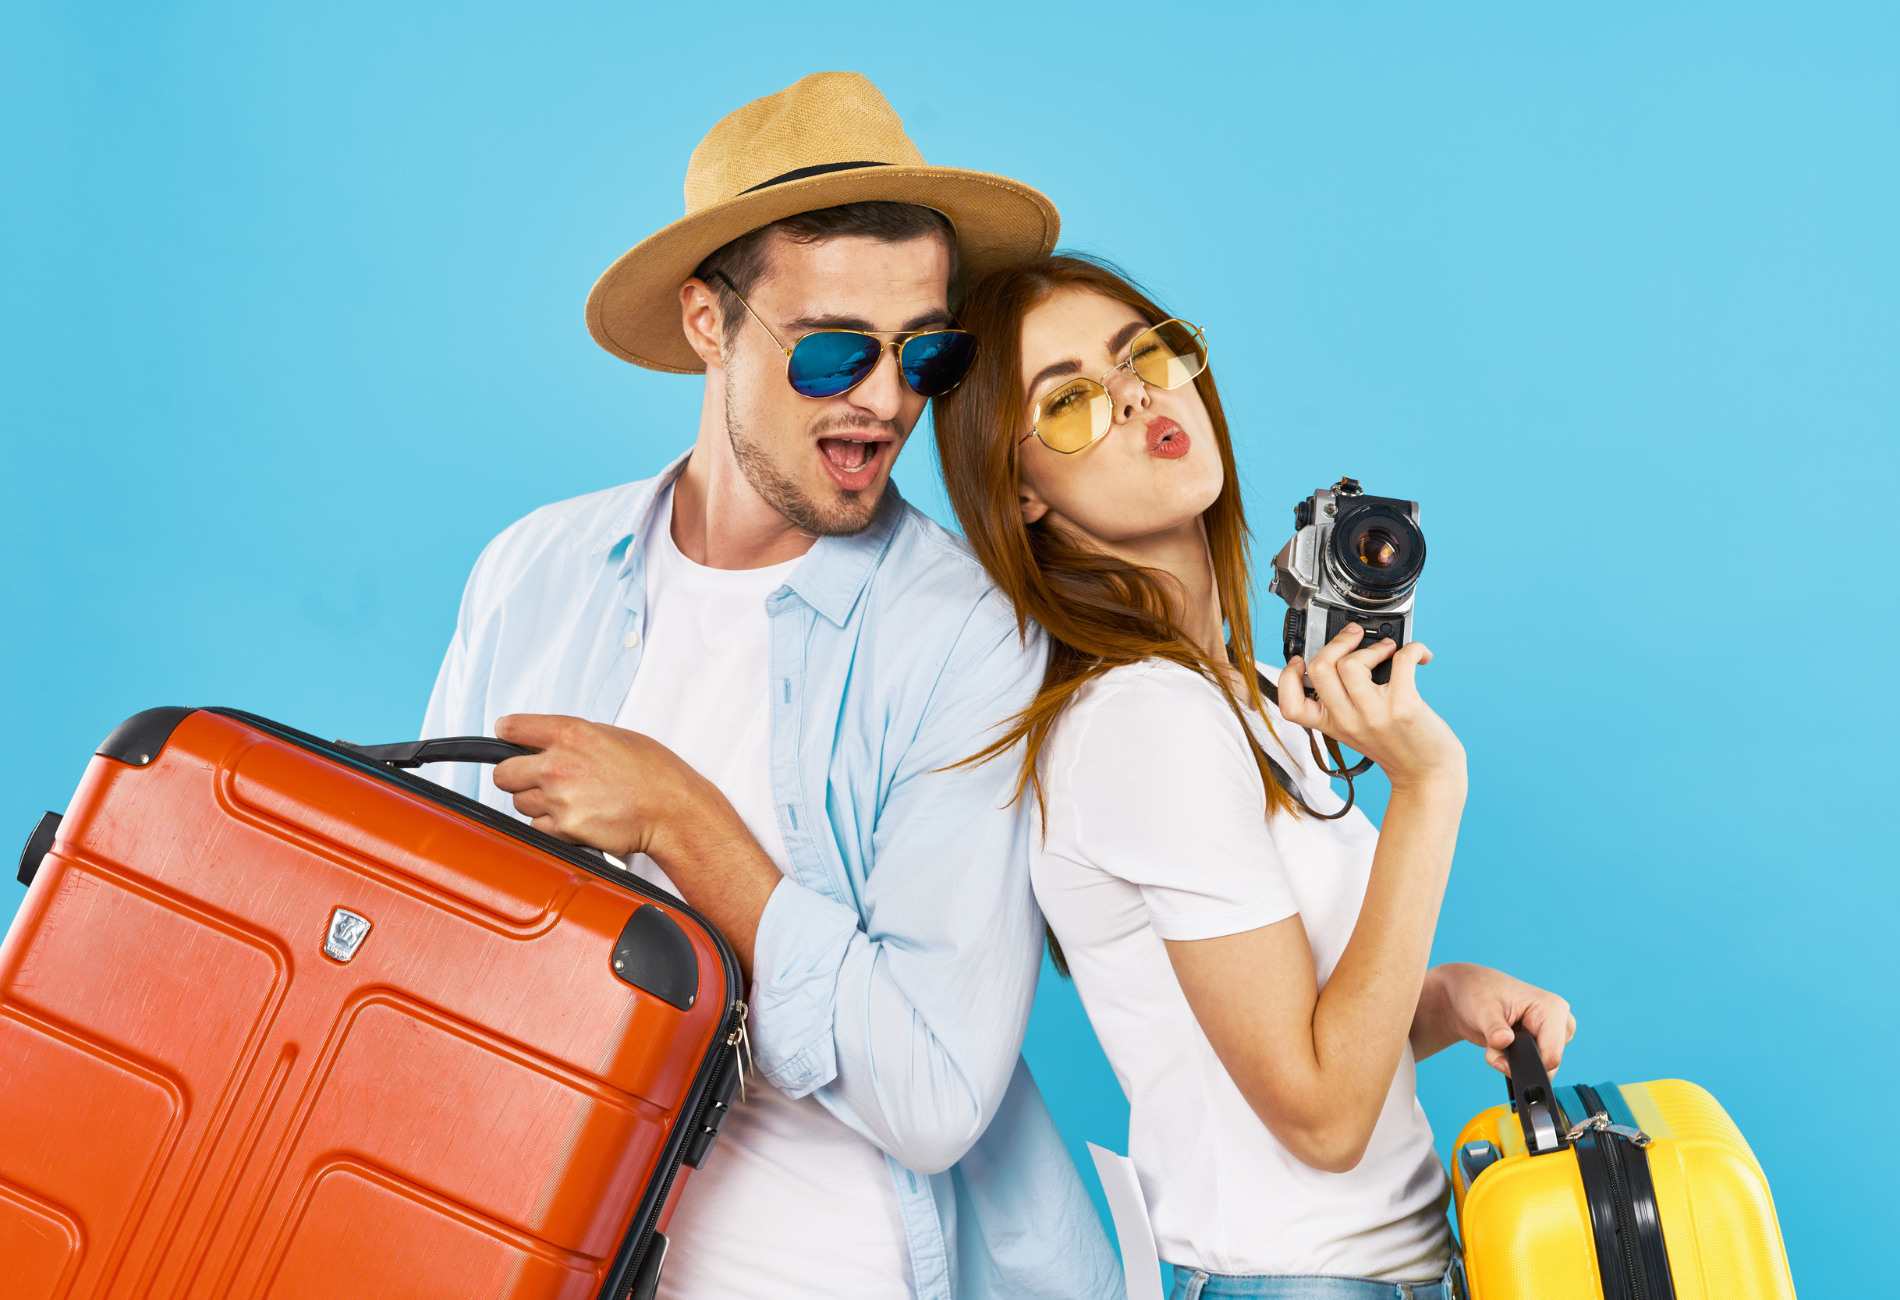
(745, 260)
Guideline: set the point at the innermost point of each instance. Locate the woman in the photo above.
(1256, 972)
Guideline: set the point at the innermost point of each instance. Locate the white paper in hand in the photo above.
(1141, 1263)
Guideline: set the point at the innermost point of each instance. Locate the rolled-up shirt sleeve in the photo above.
(908, 1025)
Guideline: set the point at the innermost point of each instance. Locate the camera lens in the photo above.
(1377, 548)
(1376, 552)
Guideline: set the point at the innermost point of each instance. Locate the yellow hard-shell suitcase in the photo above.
(1643, 1191)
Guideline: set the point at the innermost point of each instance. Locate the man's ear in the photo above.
(701, 320)
(1030, 502)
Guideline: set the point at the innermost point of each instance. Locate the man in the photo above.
(753, 675)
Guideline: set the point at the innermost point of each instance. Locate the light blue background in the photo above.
(290, 325)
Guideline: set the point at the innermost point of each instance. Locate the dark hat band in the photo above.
(800, 173)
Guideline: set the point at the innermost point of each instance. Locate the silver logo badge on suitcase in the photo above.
(346, 935)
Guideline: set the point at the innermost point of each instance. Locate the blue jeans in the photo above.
(1197, 1284)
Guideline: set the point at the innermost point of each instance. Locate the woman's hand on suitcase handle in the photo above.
(623, 793)
(1390, 724)
(1462, 1002)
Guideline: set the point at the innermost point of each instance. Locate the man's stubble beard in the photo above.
(849, 513)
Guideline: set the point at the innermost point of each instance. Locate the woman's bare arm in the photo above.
(1316, 1065)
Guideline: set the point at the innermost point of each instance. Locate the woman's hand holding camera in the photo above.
(1389, 724)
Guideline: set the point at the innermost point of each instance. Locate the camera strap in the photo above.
(1338, 768)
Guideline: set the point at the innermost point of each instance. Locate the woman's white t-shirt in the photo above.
(1156, 828)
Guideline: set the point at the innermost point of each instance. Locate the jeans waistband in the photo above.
(1198, 1284)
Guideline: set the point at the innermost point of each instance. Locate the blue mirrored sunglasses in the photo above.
(828, 363)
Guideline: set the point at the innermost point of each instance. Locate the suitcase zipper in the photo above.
(1600, 1123)
(1625, 1221)
(737, 1040)
(741, 1044)
(1610, 1146)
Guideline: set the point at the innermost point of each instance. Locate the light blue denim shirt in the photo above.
(895, 965)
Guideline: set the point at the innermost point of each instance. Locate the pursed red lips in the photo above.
(853, 457)
(1166, 439)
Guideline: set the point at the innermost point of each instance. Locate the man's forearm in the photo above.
(720, 870)
(622, 792)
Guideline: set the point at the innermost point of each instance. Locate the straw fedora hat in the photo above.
(827, 139)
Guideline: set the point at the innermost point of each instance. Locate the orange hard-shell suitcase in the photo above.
(278, 1019)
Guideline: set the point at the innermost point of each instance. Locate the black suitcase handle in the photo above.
(448, 749)
(1531, 1097)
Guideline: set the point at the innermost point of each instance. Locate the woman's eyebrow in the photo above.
(1122, 338)
(1126, 335)
(1053, 370)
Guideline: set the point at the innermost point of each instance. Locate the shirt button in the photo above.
(630, 640)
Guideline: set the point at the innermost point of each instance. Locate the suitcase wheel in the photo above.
(38, 845)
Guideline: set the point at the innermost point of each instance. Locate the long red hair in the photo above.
(1099, 612)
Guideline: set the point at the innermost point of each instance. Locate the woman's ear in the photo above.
(1030, 503)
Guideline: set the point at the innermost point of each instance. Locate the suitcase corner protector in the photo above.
(140, 737)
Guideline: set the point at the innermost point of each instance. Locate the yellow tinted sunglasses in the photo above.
(1079, 413)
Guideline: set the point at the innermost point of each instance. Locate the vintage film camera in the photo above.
(1352, 559)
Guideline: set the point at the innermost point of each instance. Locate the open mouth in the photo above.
(853, 462)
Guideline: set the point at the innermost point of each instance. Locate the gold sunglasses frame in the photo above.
(895, 346)
(1127, 363)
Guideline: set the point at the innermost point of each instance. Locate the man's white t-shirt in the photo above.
(791, 1203)
(1157, 829)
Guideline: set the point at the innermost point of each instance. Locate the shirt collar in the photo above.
(836, 569)
(632, 522)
